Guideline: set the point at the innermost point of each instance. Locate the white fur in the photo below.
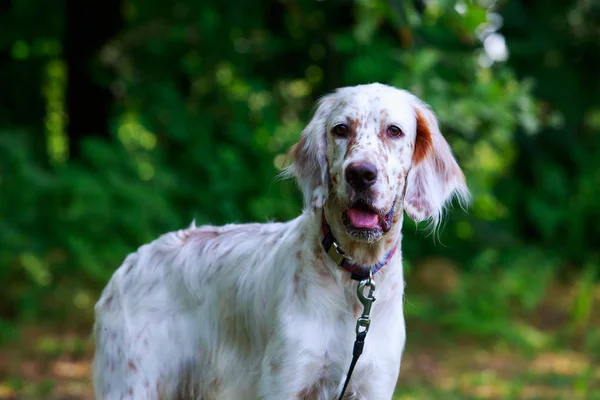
(258, 310)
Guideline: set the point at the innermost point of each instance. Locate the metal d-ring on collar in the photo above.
(336, 254)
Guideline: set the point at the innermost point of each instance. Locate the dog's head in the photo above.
(371, 151)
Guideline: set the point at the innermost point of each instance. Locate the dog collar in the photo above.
(332, 248)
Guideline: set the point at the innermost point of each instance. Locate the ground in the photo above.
(56, 367)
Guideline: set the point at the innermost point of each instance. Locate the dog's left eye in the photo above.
(394, 131)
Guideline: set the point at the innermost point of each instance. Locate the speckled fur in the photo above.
(259, 310)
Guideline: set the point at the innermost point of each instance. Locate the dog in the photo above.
(268, 311)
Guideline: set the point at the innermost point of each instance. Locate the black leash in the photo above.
(362, 325)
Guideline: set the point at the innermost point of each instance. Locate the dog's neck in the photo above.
(362, 252)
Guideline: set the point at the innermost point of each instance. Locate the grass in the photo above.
(56, 367)
(496, 372)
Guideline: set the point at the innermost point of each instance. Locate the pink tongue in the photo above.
(362, 218)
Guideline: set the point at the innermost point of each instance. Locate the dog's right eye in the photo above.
(341, 130)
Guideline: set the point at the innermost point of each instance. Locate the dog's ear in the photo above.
(309, 165)
(434, 177)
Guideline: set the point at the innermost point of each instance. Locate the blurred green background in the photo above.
(123, 119)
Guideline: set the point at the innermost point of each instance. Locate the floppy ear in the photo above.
(309, 165)
(435, 177)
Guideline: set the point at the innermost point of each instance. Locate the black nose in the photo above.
(361, 176)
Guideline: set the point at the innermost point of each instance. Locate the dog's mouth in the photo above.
(362, 219)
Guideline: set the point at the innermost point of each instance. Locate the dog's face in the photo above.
(371, 151)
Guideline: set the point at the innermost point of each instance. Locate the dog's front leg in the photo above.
(284, 371)
(292, 364)
(376, 377)
(379, 386)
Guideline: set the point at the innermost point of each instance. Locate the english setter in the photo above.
(263, 310)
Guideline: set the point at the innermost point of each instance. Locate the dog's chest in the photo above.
(329, 337)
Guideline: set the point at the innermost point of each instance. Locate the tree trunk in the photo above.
(89, 25)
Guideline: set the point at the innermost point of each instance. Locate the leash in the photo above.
(362, 274)
(362, 325)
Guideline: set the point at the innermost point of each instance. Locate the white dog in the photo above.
(266, 310)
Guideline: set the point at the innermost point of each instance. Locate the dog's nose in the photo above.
(361, 176)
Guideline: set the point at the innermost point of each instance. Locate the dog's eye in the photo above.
(394, 131)
(341, 130)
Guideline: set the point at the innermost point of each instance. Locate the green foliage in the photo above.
(484, 301)
(207, 98)
(203, 101)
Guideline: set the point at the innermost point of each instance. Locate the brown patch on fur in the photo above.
(352, 145)
(371, 117)
(382, 128)
(307, 394)
(422, 207)
(356, 309)
(354, 125)
(310, 392)
(234, 329)
(275, 367)
(299, 255)
(293, 152)
(200, 234)
(131, 366)
(320, 264)
(440, 169)
(383, 125)
(318, 251)
(334, 178)
(322, 272)
(188, 387)
(297, 281)
(424, 141)
(417, 201)
(381, 151)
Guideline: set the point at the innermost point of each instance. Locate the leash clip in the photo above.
(364, 321)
